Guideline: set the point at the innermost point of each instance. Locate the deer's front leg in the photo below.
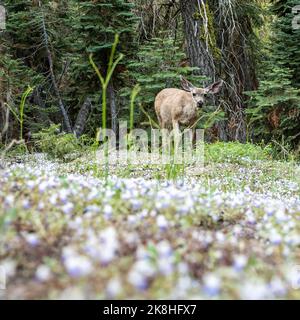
(177, 136)
(194, 133)
(165, 139)
(176, 126)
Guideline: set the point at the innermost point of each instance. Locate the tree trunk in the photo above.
(42, 115)
(198, 53)
(112, 103)
(230, 50)
(82, 117)
(238, 66)
(197, 48)
(62, 108)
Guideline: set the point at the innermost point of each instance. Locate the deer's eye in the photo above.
(194, 94)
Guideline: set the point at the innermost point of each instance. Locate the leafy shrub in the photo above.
(60, 145)
(15, 150)
(236, 152)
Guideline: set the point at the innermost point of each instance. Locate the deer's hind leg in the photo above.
(165, 135)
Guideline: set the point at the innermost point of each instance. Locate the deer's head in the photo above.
(199, 94)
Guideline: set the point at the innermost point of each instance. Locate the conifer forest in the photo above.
(149, 149)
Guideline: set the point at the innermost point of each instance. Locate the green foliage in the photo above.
(235, 152)
(94, 24)
(7, 218)
(23, 62)
(154, 57)
(174, 171)
(60, 145)
(274, 112)
(22, 106)
(134, 94)
(275, 106)
(16, 149)
(285, 42)
(157, 66)
(75, 29)
(209, 116)
(105, 80)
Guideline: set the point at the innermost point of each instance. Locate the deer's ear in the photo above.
(215, 87)
(186, 85)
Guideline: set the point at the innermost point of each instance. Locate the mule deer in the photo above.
(175, 106)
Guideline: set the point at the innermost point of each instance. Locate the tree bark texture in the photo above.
(231, 33)
(112, 104)
(198, 53)
(62, 108)
(82, 117)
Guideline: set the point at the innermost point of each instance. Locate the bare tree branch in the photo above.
(62, 108)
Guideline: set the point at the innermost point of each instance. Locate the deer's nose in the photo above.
(200, 104)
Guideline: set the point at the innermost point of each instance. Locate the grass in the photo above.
(236, 152)
(229, 231)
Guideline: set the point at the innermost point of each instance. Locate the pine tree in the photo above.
(94, 25)
(67, 32)
(18, 66)
(285, 44)
(275, 111)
